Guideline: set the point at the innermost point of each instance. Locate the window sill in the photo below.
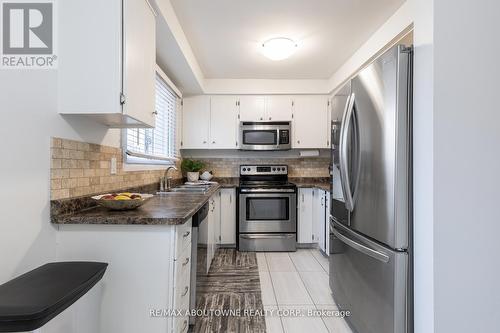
(144, 167)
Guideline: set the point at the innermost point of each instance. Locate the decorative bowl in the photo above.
(207, 175)
(126, 204)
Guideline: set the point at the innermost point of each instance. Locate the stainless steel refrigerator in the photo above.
(370, 209)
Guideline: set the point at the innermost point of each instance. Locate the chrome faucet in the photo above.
(165, 181)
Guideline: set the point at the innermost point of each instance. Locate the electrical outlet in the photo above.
(113, 165)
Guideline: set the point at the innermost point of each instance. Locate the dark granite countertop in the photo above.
(322, 183)
(228, 182)
(167, 209)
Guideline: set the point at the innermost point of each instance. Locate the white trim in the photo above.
(144, 167)
(155, 13)
(168, 81)
(150, 157)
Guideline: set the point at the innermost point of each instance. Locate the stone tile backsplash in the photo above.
(297, 167)
(79, 168)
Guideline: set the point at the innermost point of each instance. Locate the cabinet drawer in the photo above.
(182, 289)
(182, 237)
(182, 269)
(181, 324)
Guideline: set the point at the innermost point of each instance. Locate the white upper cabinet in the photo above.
(310, 119)
(139, 61)
(278, 108)
(223, 122)
(107, 61)
(195, 122)
(212, 122)
(252, 108)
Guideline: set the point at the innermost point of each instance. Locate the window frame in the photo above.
(137, 161)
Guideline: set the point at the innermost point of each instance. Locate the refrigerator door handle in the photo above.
(344, 165)
(361, 248)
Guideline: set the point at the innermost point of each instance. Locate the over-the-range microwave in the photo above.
(269, 135)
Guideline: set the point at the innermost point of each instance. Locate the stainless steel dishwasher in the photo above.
(198, 253)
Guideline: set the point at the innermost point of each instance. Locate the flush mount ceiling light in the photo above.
(279, 48)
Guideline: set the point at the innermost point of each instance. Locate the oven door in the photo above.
(267, 212)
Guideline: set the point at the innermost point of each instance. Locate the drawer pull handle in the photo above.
(185, 291)
(185, 262)
(186, 234)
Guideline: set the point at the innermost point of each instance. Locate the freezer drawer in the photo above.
(370, 281)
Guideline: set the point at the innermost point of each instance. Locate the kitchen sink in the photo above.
(186, 189)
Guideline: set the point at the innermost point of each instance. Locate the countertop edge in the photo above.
(76, 219)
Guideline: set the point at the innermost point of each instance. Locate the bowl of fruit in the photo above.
(122, 201)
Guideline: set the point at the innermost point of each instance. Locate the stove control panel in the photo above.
(250, 170)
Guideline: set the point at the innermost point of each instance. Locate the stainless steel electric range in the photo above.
(267, 205)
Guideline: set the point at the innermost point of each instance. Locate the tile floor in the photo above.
(297, 282)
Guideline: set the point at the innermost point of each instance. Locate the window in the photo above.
(156, 145)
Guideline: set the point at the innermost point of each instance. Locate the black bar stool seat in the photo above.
(29, 301)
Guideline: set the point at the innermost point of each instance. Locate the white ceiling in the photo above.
(225, 35)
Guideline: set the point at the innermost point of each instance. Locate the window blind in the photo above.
(159, 143)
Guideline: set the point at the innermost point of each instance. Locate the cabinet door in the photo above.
(279, 108)
(319, 218)
(139, 61)
(316, 214)
(211, 233)
(305, 224)
(223, 122)
(327, 223)
(195, 122)
(329, 122)
(217, 220)
(309, 122)
(89, 69)
(228, 217)
(252, 108)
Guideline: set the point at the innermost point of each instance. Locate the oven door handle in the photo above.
(267, 236)
(265, 190)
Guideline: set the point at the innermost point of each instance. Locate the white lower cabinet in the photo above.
(227, 234)
(313, 217)
(213, 226)
(305, 213)
(149, 272)
(326, 248)
(318, 215)
(182, 276)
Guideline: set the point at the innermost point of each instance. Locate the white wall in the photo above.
(466, 166)
(29, 119)
(423, 113)
(399, 23)
(264, 87)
